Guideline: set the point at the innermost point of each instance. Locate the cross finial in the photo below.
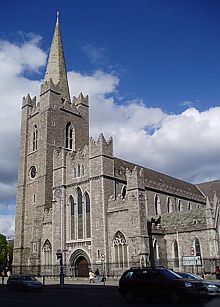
(58, 13)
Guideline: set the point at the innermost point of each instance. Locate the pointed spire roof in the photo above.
(56, 68)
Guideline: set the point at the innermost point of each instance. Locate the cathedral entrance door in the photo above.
(82, 268)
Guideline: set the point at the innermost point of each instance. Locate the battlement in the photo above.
(49, 86)
(28, 101)
(118, 204)
(47, 217)
(101, 147)
(135, 178)
(81, 100)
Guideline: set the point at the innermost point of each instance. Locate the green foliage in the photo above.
(6, 253)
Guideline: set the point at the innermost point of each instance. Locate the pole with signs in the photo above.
(103, 267)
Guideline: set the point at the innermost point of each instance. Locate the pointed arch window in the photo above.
(169, 205)
(83, 170)
(120, 250)
(69, 136)
(80, 213)
(87, 216)
(47, 250)
(175, 254)
(180, 205)
(189, 206)
(78, 170)
(197, 247)
(74, 172)
(35, 138)
(157, 205)
(124, 191)
(72, 218)
(156, 252)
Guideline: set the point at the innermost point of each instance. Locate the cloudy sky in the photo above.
(150, 67)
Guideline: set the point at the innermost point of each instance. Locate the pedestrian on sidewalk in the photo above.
(91, 277)
(97, 275)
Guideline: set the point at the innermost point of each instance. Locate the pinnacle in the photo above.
(56, 69)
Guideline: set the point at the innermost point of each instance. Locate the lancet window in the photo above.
(120, 250)
(35, 138)
(69, 136)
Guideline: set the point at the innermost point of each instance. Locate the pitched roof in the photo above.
(209, 188)
(162, 182)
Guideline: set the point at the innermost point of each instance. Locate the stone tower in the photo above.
(52, 123)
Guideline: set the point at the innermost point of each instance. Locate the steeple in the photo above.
(56, 69)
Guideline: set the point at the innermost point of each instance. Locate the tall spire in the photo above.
(56, 69)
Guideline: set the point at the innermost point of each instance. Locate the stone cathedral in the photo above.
(76, 197)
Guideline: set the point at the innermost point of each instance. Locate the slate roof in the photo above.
(208, 188)
(162, 182)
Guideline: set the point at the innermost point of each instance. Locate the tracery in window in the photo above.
(47, 250)
(120, 250)
(69, 136)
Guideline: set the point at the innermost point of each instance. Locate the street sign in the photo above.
(103, 257)
(192, 261)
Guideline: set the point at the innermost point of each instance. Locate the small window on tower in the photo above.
(123, 191)
(69, 136)
(35, 138)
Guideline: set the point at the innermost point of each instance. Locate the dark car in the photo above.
(158, 282)
(212, 287)
(24, 283)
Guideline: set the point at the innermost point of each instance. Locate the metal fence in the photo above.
(204, 267)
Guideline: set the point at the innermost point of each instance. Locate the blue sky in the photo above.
(151, 69)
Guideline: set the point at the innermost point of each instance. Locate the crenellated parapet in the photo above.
(101, 147)
(81, 100)
(28, 101)
(135, 178)
(118, 204)
(47, 217)
(49, 86)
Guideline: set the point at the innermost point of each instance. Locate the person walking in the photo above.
(91, 277)
(97, 275)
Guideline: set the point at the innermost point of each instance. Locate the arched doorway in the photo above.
(80, 263)
(81, 267)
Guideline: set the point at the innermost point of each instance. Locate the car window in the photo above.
(170, 274)
(28, 278)
(129, 274)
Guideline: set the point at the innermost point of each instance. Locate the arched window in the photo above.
(72, 218)
(74, 172)
(157, 205)
(47, 250)
(35, 138)
(197, 247)
(180, 205)
(87, 216)
(156, 253)
(189, 206)
(83, 170)
(120, 249)
(80, 213)
(78, 170)
(175, 254)
(69, 136)
(124, 191)
(169, 205)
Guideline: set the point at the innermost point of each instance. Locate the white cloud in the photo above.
(7, 225)
(183, 145)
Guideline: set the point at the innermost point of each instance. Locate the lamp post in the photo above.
(59, 254)
(150, 237)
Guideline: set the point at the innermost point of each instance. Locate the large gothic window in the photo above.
(175, 254)
(87, 216)
(69, 136)
(120, 249)
(80, 213)
(157, 205)
(35, 138)
(197, 247)
(180, 205)
(72, 218)
(47, 250)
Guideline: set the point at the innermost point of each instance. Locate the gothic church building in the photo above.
(76, 197)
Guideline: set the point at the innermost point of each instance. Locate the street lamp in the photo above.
(59, 254)
(149, 231)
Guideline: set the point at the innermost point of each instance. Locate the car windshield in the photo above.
(191, 276)
(170, 274)
(29, 278)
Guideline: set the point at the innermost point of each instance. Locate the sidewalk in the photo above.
(76, 282)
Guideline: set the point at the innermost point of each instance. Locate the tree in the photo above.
(6, 254)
